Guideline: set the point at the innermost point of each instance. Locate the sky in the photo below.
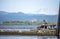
(49, 7)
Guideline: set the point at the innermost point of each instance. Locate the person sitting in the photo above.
(45, 23)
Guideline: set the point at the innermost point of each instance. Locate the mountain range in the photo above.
(20, 16)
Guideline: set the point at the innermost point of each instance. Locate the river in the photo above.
(19, 27)
(28, 37)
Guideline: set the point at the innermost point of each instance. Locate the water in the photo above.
(24, 37)
(28, 37)
(19, 27)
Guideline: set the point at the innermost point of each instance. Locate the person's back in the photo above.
(45, 22)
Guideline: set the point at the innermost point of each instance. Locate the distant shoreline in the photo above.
(24, 23)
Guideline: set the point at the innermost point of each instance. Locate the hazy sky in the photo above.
(49, 7)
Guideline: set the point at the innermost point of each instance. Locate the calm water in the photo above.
(28, 37)
(19, 27)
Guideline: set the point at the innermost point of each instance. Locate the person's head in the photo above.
(44, 20)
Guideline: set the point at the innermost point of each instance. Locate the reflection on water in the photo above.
(46, 37)
(28, 37)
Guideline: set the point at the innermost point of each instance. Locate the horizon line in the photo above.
(27, 13)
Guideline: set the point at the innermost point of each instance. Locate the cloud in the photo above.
(46, 11)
